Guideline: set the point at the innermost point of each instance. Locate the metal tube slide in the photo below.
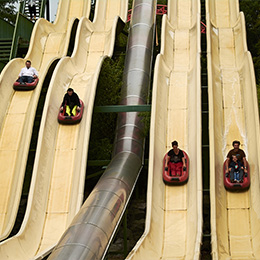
(233, 115)
(17, 108)
(174, 213)
(92, 229)
(58, 180)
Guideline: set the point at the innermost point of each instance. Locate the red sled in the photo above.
(70, 120)
(168, 177)
(26, 86)
(241, 186)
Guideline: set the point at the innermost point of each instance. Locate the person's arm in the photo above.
(20, 74)
(184, 163)
(245, 164)
(227, 164)
(35, 72)
(166, 162)
(77, 101)
(229, 167)
(229, 156)
(63, 102)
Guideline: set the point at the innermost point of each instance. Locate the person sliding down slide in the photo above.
(175, 160)
(71, 100)
(28, 74)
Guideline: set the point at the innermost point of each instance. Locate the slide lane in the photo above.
(17, 109)
(233, 115)
(58, 180)
(174, 213)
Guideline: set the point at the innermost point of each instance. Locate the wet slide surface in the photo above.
(57, 187)
(174, 213)
(17, 109)
(233, 115)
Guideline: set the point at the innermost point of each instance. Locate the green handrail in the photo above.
(23, 27)
(42, 9)
(122, 108)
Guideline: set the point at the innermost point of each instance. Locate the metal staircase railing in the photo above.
(10, 35)
(6, 34)
(38, 9)
(5, 48)
(23, 25)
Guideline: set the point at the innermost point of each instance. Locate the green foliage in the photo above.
(146, 116)
(104, 124)
(162, 2)
(258, 94)
(7, 10)
(101, 150)
(110, 82)
(121, 40)
(251, 11)
(130, 4)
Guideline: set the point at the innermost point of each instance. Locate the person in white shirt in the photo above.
(32, 9)
(27, 74)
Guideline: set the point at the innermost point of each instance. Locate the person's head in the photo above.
(236, 144)
(28, 64)
(175, 145)
(70, 91)
(234, 158)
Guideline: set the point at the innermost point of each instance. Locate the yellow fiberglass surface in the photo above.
(17, 108)
(233, 115)
(174, 213)
(58, 178)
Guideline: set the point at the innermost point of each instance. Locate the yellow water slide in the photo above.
(58, 180)
(174, 213)
(233, 115)
(17, 108)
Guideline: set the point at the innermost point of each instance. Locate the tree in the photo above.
(104, 124)
(8, 10)
(251, 10)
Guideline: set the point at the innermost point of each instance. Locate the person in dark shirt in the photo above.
(175, 160)
(239, 153)
(72, 103)
(32, 9)
(236, 170)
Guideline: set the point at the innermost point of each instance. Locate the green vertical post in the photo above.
(15, 35)
(21, 8)
(42, 10)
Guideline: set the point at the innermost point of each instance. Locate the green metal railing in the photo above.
(10, 35)
(42, 9)
(23, 27)
(122, 108)
(6, 34)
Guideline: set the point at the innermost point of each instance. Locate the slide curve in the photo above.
(58, 180)
(49, 42)
(233, 115)
(174, 213)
